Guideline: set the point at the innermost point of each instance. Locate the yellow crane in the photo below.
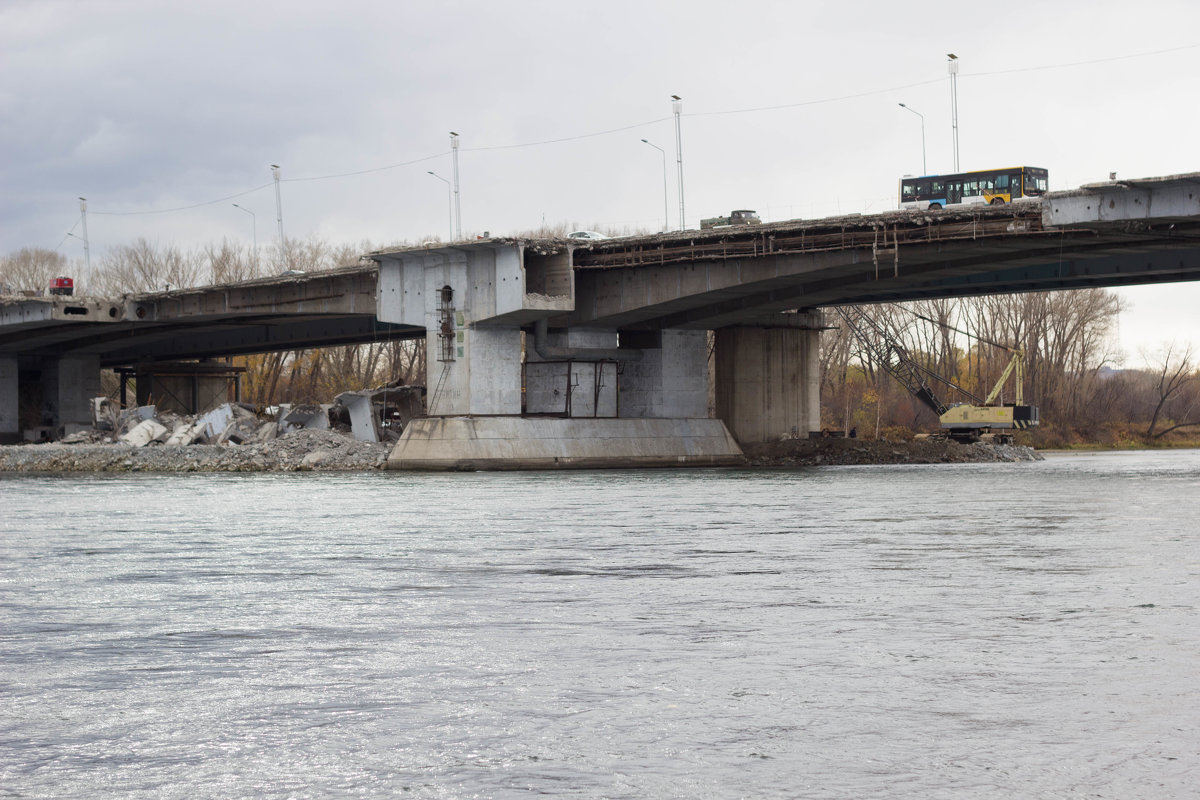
(964, 422)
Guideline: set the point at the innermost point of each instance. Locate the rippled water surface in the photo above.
(1024, 630)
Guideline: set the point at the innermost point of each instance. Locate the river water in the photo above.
(945, 631)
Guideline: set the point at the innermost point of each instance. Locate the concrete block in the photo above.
(362, 415)
(187, 433)
(305, 416)
(216, 421)
(144, 433)
(40, 433)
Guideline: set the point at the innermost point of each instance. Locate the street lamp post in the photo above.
(924, 168)
(457, 201)
(666, 217)
(449, 201)
(954, 103)
(87, 253)
(677, 110)
(279, 214)
(253, 227)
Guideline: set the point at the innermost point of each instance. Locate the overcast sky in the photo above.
(790, 108)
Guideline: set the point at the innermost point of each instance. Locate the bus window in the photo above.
(907, 192)
(1002, 183)
(936, 189)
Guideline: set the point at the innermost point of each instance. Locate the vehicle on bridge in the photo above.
(981, 419)
(981, 187)
(743, 216)
(62, 286)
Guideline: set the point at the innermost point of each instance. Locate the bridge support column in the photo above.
(68, 385)
(671, 379)
(768, 379)
(477, 373)
(10, 401)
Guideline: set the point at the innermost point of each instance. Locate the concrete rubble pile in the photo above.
(377, 415)
(355, 432)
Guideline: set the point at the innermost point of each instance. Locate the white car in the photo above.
(586, 235)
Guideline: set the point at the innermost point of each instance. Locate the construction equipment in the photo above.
(963, 422)
(737, 217)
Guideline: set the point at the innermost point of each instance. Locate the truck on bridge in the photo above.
(743, 216)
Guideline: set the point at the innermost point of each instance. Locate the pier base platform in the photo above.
(510, 443)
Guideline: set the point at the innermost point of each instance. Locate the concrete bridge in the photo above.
(553, 353)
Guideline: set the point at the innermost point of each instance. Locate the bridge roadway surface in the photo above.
(1111, 234)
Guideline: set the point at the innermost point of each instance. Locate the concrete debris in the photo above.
(331, 452)
(104, 414)
(144, 433)
(380, 414)
(299, 417)
(353, 433)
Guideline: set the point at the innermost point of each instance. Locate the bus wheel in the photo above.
(997, 201)
(935, 206)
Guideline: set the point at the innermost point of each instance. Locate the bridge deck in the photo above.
(1119, 233)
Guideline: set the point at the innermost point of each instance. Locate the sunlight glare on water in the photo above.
(1017, 630)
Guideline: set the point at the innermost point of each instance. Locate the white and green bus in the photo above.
(982, 187)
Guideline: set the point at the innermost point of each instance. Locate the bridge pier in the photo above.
(10, 401)
(506, 391)
(68, 385)
(59, 388)
(768, 378)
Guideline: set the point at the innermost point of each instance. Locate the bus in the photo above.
(986, 186)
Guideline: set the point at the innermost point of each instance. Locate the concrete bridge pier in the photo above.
(68, 385)
(10, 401)
(509, 387)
(60, 388)
(768, 378)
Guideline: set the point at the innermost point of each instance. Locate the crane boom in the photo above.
(963, 421)
(892, 356)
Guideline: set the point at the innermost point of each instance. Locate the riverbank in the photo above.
(841, 451)
(331, 451)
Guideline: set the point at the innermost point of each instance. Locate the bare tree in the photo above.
(146, 267)
(1176, 380)
(31, 268)
(228, 262)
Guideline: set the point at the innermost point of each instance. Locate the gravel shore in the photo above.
(330, 451)
(304, 450)
(839, 451)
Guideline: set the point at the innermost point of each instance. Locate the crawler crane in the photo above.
(963, 422)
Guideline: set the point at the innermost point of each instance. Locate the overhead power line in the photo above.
(646, 123)
(182, 208)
